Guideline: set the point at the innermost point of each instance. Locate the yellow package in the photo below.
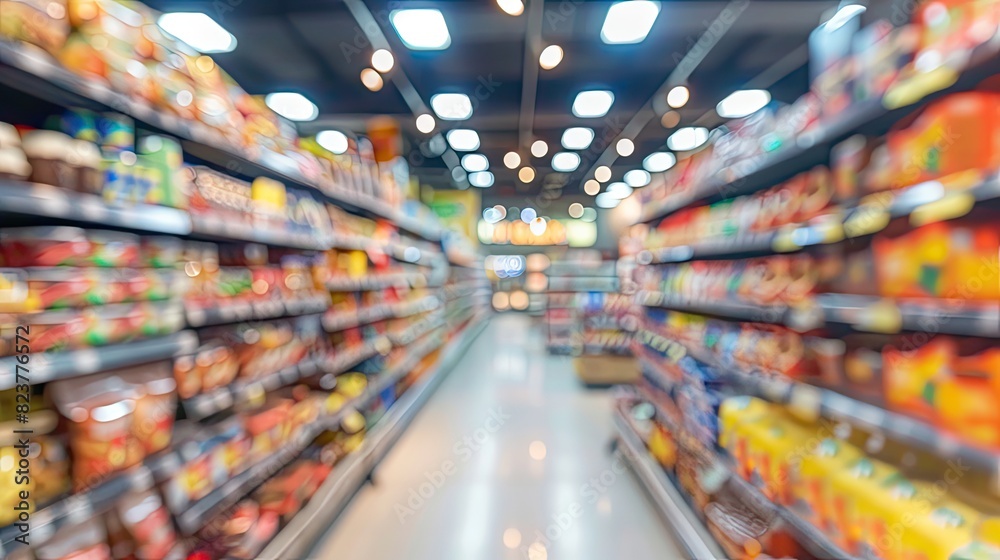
(888, 516)
(944, 532)
(773, 446)
(736, 410)
(812, 493)
(852, 489)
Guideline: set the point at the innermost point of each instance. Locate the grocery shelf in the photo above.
(416, 330)
(861, 313)
(875, 314)
(50, 366)
(342, 320)
(810, 537)
(690, 532)
(21, 199)
(864, 218)
(213, 227)
(818, 544)
(871, 117)
(244, 391)
(236, 311)
(583, 284)
(341, 359)
(723, 308)
(833, 405)
(373, 282)
(230, 493)
(305, 529)
(78, 507)
(33, 72)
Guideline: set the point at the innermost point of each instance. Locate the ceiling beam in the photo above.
(679, 76)
(373, 31)
(529, 82)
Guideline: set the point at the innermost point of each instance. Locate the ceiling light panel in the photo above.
(463, 139)
(421, 29)
(451, 106)
(475, 162)
(199, 30)
(577, 138)
(593, 103)
(565, 162)
(629, 22)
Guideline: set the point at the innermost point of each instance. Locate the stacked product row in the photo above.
(819, 303)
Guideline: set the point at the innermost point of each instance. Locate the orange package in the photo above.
(99, 410)
(957, 133)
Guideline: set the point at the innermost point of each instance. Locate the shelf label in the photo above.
(871, 216)
(948, 208)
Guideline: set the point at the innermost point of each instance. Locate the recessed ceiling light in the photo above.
(577, 138)
(551, 56)
(425, 123)
(371, 79)
(528, 214)
(511, 7)
(591, 187)
(593, 103)
(333, 140)
(539, 148)
(687, 138)
(526, 175)
(511, 160)
(637, 178)
(678, 97)
(629, 22)
(463, 139)
(670, 119)
(452, 106)
(619, 190)
(575, 210)
(743, 103)
(198, 30)
(658, 162)
(624, 147)
(382, 60)
(421, 29)
(481, 179)
(292, 106)
(606, 200)
(603, 174)
(475, 162)
(565, 162)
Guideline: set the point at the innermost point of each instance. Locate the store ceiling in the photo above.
(316, 47)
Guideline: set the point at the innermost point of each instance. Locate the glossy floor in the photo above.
(509, 459)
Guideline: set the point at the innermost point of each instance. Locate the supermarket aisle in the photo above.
(466, 480)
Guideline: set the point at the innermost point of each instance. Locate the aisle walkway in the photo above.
(511, 450)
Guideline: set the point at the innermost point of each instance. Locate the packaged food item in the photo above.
(739, 529)
(49, 153)
(51, 288)
(853, 489)
(50, 331)
(213, 365)
(48, 460)
(45, 246)
(812, 492)
(86, 540)
(117, 132)
(155, 404)
(163, 156)
(80, 124)
(160, 251)
(224, 197)
(113, 248)
(267, 428)
(139, 527)
(87, 159)
(42, 23)
(14, 164)
(114, 324)
(99, 415)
